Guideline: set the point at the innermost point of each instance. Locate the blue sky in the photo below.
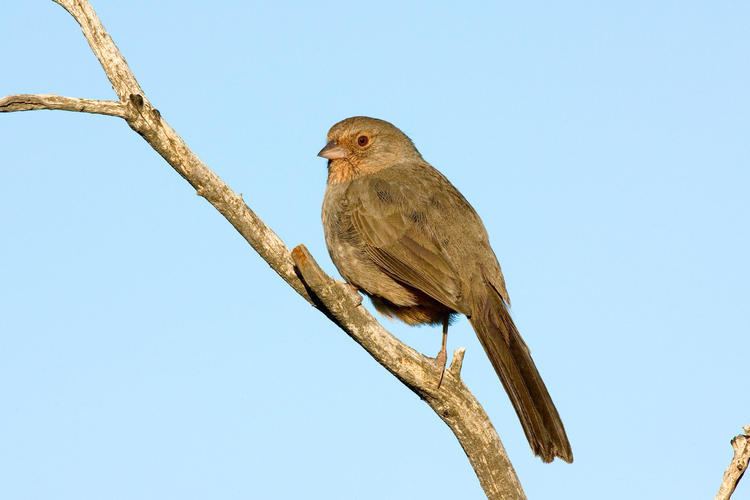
(146, 352)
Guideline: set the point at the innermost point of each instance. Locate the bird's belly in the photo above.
(389, 297)
(426, 311)
(361, 272)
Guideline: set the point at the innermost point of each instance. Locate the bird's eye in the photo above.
(362, 141)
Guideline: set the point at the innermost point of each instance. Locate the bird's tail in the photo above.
(512, 361)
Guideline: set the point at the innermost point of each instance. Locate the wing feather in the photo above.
(395, 228)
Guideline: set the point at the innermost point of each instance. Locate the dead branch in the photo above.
(738, 465)
(30, 102)
(453, 402)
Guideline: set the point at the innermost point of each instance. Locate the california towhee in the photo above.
(400, 232)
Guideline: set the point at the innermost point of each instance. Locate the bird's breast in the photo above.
(349, 253)
(341, 171)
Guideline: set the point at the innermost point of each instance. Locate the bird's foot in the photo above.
(440, 361)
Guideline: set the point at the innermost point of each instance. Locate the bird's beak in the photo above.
(333, 151)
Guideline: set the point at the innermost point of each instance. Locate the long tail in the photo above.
(512, 361)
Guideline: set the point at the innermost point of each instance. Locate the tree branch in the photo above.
(115, 66)
(30, 102)
(738, 465)
(147, 121)
(453, 402)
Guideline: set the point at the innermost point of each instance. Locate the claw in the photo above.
(441, 360)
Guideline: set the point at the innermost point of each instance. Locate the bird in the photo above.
(398, 231)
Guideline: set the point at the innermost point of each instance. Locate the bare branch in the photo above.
(147, 121)
(453, 402)
(104, 48)
(412, 368)
(738, 465)
(30, 102)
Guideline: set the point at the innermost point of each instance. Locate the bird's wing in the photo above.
(397, 223)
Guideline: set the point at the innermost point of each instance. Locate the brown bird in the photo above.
(400, 232)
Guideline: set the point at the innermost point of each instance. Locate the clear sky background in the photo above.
(146, 352)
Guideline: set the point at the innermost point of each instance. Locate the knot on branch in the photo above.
(137, 100)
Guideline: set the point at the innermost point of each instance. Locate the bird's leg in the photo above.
(442, 357)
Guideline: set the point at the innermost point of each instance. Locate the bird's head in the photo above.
(361, 145)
